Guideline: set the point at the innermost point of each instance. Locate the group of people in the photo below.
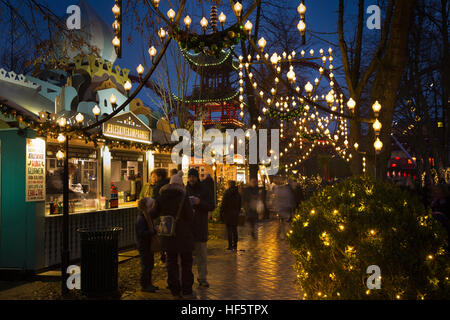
(189, 206)
(250, 202)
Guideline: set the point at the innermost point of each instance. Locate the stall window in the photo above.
(127, 170)
(82, 180)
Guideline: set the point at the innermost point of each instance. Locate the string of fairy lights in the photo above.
(309, 123)
(317, 120)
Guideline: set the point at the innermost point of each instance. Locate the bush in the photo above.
(344, 229)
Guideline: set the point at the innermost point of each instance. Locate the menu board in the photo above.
(35, 170)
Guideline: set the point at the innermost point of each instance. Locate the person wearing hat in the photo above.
(201, 203)
(172, 200)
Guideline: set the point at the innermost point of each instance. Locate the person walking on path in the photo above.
(144, 233)
(250, 204)
(201, 203)
(172, 200)
(229, 212)
(285, 204)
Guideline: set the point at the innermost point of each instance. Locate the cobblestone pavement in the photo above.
(260, 270)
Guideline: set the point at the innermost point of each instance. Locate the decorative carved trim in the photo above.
(18, 79)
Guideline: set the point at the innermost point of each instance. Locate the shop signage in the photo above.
(35, 170)
(127, 126)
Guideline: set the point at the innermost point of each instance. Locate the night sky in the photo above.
(321, 17)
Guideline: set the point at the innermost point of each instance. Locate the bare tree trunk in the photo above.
(388, 76)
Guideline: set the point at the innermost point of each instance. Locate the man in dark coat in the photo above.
(168, 202)
(201, 203)
(229, 212)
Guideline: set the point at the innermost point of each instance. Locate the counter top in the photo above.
(122, 206)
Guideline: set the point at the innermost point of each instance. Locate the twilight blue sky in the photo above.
(321, 18)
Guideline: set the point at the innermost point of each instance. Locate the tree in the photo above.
(420, 119)
(386, 67)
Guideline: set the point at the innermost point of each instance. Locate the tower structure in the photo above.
(215, 98)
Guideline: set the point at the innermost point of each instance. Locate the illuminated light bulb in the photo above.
(241, 58)
(187, 22)
(330, 98)
(316, 81)
(324, 59)
(156, 3)
(309, 87)
(259, 119)
(274, 58)
(116, 10)
(152, 52)
(302, 53)
(376, 107)
(321, 52)
(140, 69)
(62, 122)
(204, 23)
(116, 41)
(248, 27)
(321, 70)
(262, 43)
(311, 52)
(79, 118)
(261, 94)
(222, 19)
(61, 138)
(127, 86)
(162, 34)
(249, 58)
(171, 14)
(113, 99)
(378, 144)
(291, 75)
(60, 155)
(351, 104)
(377, 126)
(258, 57)
(116, 25)
(237, 8)
(42, 116)
(96, 110)
(301, 9)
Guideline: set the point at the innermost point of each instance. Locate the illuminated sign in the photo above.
(35, 170)
(128, 127)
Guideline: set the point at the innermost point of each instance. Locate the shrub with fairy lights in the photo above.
(342, 230)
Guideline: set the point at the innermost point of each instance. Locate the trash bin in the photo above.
(99, 261)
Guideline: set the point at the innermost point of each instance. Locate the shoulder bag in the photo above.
(167, 224)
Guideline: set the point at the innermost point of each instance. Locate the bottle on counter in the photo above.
(114, 201)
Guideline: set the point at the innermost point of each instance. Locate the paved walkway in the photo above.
(261, 271)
